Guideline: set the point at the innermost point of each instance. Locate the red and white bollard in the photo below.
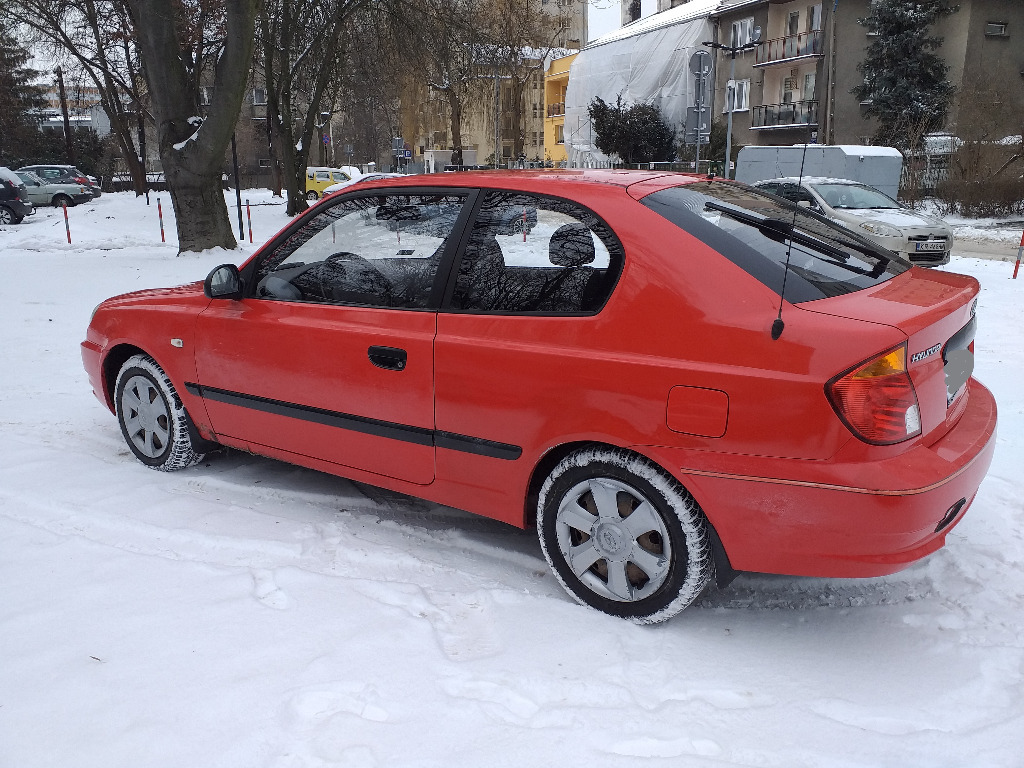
(160, 213)
(1016, 267)
(248, 215)
(67, 224)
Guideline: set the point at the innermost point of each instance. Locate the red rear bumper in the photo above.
(840, 519)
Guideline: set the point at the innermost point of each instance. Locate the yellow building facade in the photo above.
(556, 81)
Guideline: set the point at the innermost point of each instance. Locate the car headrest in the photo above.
(571, 245)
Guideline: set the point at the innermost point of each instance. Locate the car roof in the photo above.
(810, 180)
(10, 175)
(540, 180)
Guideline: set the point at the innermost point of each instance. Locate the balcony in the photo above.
(789, 48)
(791, 115)
(556, 110)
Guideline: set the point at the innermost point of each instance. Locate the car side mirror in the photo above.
(224, 282)
(805, 204)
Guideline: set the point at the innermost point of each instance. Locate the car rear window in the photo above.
(761, 234)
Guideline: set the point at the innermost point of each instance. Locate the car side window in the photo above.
(323, 176)
(796, 194)
(378, 251)
(535, 254)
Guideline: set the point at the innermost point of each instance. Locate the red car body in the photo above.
(679, 365)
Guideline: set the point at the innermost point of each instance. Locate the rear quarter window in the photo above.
(763, 234)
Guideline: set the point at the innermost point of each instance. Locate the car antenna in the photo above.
(778, 325)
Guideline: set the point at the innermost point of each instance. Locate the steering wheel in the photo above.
(360, 280)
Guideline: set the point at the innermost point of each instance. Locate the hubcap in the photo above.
(145, 416)
(613, 539)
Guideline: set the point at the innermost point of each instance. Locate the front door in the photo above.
(331, 356)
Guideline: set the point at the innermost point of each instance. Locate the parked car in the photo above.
(53, 193)
(365, 177)
(15, 204)
(65, 174)
(923, 239)
(318, 179)
(668, 377)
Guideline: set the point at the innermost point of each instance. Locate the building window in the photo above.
(264, 162)
(259, 96)
(996, 29)
(742, 32)
(737, 96)
(793, 23)
(813, 17)
(809, 86)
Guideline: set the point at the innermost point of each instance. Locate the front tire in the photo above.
(622, 536)
(153, 420)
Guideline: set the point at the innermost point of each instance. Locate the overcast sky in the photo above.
(602, 18)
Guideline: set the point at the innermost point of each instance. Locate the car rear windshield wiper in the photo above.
(779, 230)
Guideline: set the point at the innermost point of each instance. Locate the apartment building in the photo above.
(556, 82)
(796, 84)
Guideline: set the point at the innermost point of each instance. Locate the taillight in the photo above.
(80, 180)
(876, 399)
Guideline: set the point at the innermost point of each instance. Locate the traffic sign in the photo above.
(700, 63)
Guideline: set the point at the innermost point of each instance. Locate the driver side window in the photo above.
(377, 251)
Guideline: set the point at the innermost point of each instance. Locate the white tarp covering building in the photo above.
(646, 61)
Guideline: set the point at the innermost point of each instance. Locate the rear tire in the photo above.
(622, 536)
(7, 216)
(59, 201)
(312, 196)
(153, 420)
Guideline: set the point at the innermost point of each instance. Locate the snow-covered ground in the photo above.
(249, 613)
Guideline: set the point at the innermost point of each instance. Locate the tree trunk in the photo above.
(199, 207)
(455, 109)
(518, 86)
(192, 148)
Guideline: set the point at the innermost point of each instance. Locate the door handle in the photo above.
(390, 358)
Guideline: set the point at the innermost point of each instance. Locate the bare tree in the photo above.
(444, 43)
(97, 37)
(185, 44)
(302, 50)
(522, 37)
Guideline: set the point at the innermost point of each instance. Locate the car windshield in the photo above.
(776, 242)
(853, 196)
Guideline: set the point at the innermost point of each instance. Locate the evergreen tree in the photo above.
(904, 79)
(20, 101)
(637, 134)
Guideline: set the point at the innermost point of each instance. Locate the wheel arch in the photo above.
(724, 572)
(115, 358)
(112, 363)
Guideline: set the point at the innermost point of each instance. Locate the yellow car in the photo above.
(318, 179)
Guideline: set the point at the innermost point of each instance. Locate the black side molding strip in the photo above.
(375, 427)
(477, 445)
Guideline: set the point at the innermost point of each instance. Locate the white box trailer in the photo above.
(879, 167)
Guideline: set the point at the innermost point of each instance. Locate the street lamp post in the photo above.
(733, 50)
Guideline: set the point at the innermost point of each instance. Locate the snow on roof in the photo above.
(695, 9)
(866, 150)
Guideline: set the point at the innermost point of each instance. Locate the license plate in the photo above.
(936, 245)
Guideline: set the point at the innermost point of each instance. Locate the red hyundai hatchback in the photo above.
(669, 376)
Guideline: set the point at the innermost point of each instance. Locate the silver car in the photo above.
(924, 240)
(55, 193)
